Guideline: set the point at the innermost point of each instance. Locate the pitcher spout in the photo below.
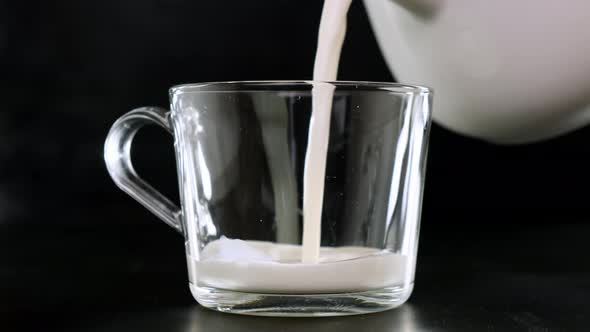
(421, 8)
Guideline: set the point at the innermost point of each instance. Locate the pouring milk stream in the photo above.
(330, 40)
(255, 266)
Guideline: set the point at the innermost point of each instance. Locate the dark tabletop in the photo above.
(533, 278)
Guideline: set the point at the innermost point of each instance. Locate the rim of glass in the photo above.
(233, 86)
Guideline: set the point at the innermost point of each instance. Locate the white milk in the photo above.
(330, 39)
(265, 267)
(252, 266)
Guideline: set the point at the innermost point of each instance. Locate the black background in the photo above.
(69, 68)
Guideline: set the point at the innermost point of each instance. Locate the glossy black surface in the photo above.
(504, 243)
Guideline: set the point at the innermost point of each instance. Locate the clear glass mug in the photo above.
(240, 150)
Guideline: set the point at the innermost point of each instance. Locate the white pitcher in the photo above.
(505, 71)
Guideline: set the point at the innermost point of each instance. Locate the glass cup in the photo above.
(240, 150)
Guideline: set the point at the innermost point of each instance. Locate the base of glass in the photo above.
(302, 305)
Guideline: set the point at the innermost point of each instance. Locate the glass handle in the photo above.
(117, 155)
